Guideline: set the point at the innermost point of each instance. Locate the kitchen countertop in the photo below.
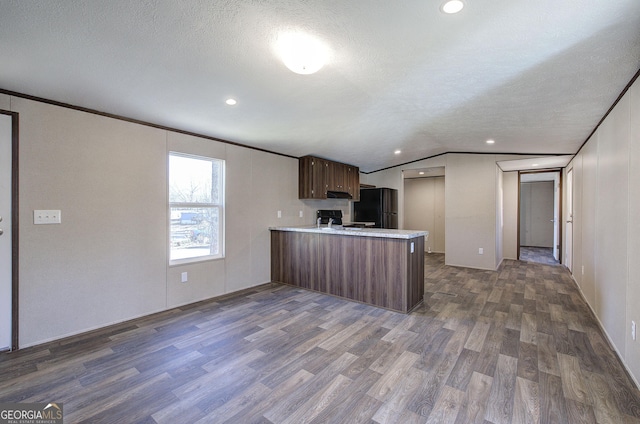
(359, 232)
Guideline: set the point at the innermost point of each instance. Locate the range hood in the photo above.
(338, 195)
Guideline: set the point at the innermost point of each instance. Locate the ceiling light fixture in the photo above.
(302, 53)
(421, 172)
(231, 102)
(491, 141)
(397, 152)
(452, 6)
(535, 164)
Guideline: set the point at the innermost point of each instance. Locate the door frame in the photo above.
(14, 227)
(561, 227)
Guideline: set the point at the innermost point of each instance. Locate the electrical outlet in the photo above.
(633, 330)
(301, 214)
(46, 217)
(480, 251)
(279, 214)
(184, 277)
(582, 269)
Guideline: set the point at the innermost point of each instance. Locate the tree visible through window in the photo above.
(196, 200)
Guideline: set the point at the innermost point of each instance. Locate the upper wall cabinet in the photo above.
(319, 178)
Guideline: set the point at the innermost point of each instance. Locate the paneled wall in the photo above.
(606, 231)
(107, 261)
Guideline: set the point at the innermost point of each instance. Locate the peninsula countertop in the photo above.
(354, 231)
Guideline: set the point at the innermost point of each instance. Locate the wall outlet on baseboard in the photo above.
(480, 251)
(301, 214)
(184, 277)
(279, 214)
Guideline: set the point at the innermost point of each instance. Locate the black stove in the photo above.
(326, 214)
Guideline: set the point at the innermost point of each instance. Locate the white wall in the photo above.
(470, 205)
(606, 229)
(632, 350)
(611, 220)
(424, 209)
(107, 261)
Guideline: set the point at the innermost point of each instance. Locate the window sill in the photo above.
(189, 261)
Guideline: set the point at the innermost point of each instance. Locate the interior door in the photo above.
(568, 241)
(537, 209)
(6, 273)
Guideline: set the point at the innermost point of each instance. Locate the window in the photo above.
(196, 208)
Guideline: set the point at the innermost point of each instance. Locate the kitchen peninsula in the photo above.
(380, 267)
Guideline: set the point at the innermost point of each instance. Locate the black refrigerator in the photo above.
(379, 205)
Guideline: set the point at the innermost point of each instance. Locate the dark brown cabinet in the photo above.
(312, 181)
(317, 176)
(352, 178)
(386, 272)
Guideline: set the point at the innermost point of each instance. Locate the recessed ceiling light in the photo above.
(231, 102)
(302, 53)
(397, 152)
(452, 6)
(491, 141)
(421, 172)
(535, 164)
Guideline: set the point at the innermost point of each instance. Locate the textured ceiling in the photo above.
(536, 76)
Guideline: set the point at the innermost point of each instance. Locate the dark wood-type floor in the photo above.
(514, 346)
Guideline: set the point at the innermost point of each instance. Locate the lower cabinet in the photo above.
(384, 272)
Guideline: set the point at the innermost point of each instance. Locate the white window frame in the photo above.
(219, 206)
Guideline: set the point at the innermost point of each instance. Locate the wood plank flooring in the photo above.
(514, 346)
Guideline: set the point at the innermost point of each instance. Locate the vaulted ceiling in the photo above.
(535, 76)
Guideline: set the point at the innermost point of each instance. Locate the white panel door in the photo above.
(568, 239)
(5, 229)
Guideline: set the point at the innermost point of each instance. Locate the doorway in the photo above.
(8, 231)
(539, 217)
(424, 205)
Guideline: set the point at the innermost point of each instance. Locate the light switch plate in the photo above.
(46, 217)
